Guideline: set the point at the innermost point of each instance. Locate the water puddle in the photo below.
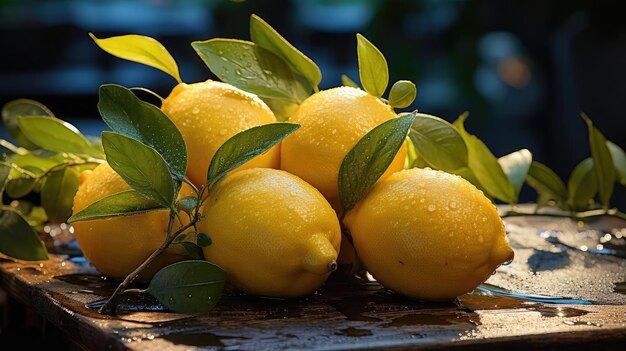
(612, 242)
(132, 303)
(582, 323)
(564, 312)
(89, 283)
(354, 332)
(495, 290)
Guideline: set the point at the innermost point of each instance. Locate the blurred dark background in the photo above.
(524, 69)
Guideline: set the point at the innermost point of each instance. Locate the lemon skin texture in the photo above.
(118, 245)
(273, 234)
(209, 113)
(332, 122)
(428, 234)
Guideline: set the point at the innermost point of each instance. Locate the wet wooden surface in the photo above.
(363, 315)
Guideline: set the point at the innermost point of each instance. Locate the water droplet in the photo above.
(195, 110)
(189, 296)
(238, 72)
(431, 208)
(484, 219)
(422, 200)
(224, 59)
(171, 300)
(452, 204)
(223, 131)
(221, 52)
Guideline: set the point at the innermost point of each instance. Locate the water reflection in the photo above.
(593, 241)
(496, 290)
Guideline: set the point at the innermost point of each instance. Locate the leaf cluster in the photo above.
(38, 175)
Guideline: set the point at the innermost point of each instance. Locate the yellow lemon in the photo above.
(118, 245)
(273, 234)
(428, 234)
(332, 122)
(209, 113)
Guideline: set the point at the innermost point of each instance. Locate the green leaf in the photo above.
(4, 175)
(516, 165)
(18, 108)
(140, 166)
(547, 184)
(141, 49)
(57, 193)
(18, 239)
(251, 68)
(55, 135)
(188, 286)
(125, 203)
(244, 146)
(193, 250)
(619, 160)
(263, 35)
(484, 166)
(582, 185)
(123, 112)
(603, 163)
(373, 70)
(203, 240)
(182, 237)
(22, 184)
(347, 82)
(187, 204)
(402, 94)
(370, 158)
(438, 142)
(43, 163)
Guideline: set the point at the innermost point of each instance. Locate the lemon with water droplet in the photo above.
(427, 251)
(332, 121)
(118, 245)
(282, 239)
(209, 113)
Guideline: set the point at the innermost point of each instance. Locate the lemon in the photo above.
(273, 234)
(332, 122)
(428, 234)
(209, 113)
(118, 245)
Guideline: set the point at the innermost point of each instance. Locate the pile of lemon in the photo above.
(275, 222)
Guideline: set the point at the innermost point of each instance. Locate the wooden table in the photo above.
(362, 315)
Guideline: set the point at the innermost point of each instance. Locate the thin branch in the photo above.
(15, 149)
(579, 216)
(110, 306)
(19, 169)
